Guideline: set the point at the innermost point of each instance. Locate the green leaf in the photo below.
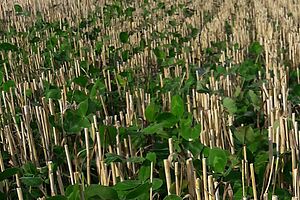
(125, 55)
(100, 192)
(172, 197)
(124, 36)
(18, 8)
(32, 181)
(78, 96)
(144, 173)
(8, 84)
(256, 48)
(73, 192)
(201, 88)
(53, 94)
(8, 173)
(195, 147)
(153, 128)
(167, 119)
(189, 133)
(111, 157)
(5, 46)
(244, 134)
(1, 77)
(74, 123)
(83, 108)
(81, 80)
(151, 112)
(129, 11)
(254, 98)
(194, 32)
(230, 105)
(151, 156)
(160, 54)
(177, 106)
(122, 81)
(99, 86)
(30, 168)
(156, 183)
(217, 159)
(127, 185)
(140, 190)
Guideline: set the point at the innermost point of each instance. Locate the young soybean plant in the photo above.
(149, 100)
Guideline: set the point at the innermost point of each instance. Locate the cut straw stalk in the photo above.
(69, 164)
(88, 164)
(151, 180)
(205, 182)
(51, 178)
(191, 177)
(253, 181)
(168, 175)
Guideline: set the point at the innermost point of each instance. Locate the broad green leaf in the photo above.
(110, 157)
(125, 55)
(84, 122)
(18, 8)
(8, 84)
(124, 36)
(153, 128)
(157, 183)
(100, 192)
(53, 94)
(201, 88)
(160, 54)
(98, 86)
(5, 46)
(194, 32)
(254, 98)
(140, 190)
(127, 185)
(79, 96)
(230, 105)
(237, 92)
(73, 192)
(8, 173)
(256, 48)
(83, 108)
(217, 159)
(189, 133)
(129, 11)
(167, 119)
(244, 134)
(172, 197)
(260, 162)
(30, 168)
(144, 173)
(151, 112)
(151, 156)
(32, 181)
(122, 81)
(195, 147)
(74, 123)
(81, 80)
(177, 106)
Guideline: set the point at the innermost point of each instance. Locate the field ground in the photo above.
(152, 99)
